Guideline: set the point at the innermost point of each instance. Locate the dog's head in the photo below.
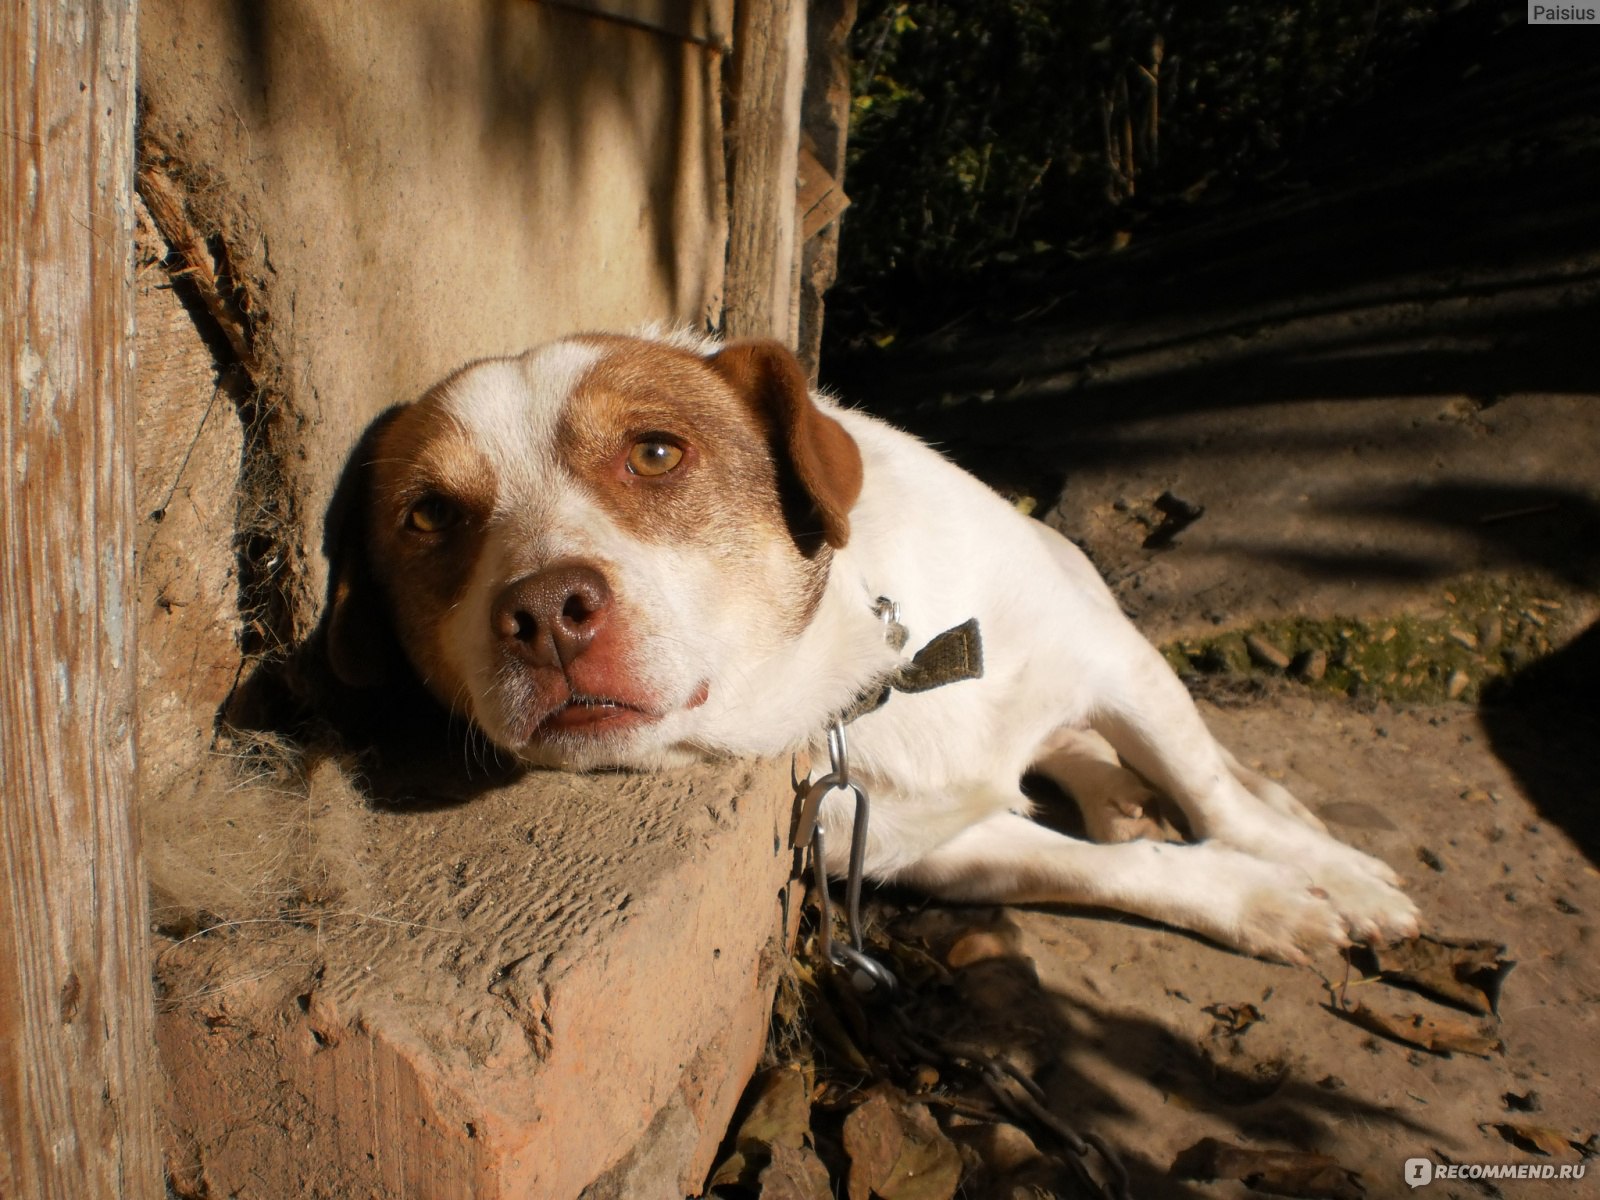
(576, 548)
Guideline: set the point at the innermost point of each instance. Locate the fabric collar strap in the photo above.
(954, 655)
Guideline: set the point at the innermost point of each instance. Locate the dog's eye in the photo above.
(432, 514)
(653, 456)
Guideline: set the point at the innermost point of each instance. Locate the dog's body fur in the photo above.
(725, 606)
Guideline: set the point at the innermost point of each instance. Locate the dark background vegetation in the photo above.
(997, 145)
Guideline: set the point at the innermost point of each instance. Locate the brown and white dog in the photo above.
(621, 551)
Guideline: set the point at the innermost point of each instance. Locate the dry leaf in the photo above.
(1435, 1034)
(1275, 1172)
(780, 1119)
(1232, 1019)
(898, 1152)
(1438, 1035)
(872, 1139)
(1468, 974)
(781, 1115)
(794, 1173)
(1354, 813)
(1539, 1139)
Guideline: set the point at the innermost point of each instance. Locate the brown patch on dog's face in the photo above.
(723, 496)
(433, 494)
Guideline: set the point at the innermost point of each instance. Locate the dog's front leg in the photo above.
(1264, 908)
(1151, 722)
(1116, 805)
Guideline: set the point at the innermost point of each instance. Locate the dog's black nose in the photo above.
(551, 616)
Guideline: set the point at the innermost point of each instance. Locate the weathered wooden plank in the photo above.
(76, 1013)
(761, 288)
(825, 127)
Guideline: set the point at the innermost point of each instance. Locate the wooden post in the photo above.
(825, 129)
(769, 58)
(76, 1014)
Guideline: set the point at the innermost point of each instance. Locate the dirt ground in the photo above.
(1155, 1039)
(1360, 416)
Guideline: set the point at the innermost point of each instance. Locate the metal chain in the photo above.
(869, 976)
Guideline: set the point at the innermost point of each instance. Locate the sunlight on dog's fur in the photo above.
(635, 551)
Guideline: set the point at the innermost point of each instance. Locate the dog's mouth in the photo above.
(593, 716)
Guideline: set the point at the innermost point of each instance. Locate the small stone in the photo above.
(977, 946)
(1458, 683)
(1464, 638)
(1476, 796)
(1311, 665)
(1004, 1147)
(1265, 653)
(1490, 632)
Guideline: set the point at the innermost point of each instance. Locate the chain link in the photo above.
(867, 974)
(1031, 1105)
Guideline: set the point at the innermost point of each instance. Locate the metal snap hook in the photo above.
(866, 973)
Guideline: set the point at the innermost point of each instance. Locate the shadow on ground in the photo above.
(1544, 724)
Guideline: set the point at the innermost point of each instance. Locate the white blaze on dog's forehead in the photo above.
(511, 407)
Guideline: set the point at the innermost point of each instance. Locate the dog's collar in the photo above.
(952, 656)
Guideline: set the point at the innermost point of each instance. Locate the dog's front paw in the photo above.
(1268, 909)
(1364, 890)
(1371, 907)
(1286, 919)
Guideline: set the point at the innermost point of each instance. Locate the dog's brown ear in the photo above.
(358, 638)
(822, 461)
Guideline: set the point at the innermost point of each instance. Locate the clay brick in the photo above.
(558, 985)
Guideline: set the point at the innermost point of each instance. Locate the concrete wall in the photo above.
(403, 185)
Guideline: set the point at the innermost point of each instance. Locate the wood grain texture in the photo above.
(761, 287)
(825, 127)
(76, 1013)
